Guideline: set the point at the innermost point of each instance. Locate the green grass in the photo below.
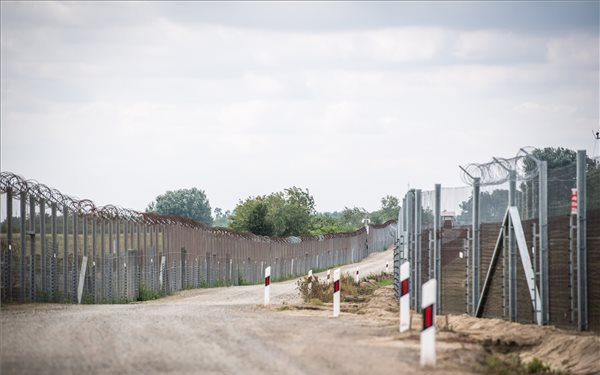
(388, 280)
(512, 365)
(148, 294)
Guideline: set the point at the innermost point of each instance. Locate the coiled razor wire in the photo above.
(18, 185)
(497, 171)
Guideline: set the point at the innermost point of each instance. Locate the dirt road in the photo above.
(210, 331)
(228, 331)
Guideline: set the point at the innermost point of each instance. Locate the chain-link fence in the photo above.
(48, 239)
(536, 263)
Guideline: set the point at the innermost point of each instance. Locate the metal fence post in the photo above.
(43, 248)
(476, 249)
(75, 260)
(418, 265)
(437, 244)
(31, 234)
(543, 243)
(582, 308)
(53, 262)
(9, 234)
(512, 246)
(65, 253)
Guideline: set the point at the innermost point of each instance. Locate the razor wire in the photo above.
(130, 252)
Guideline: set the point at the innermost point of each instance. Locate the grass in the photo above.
(322, 291)
(512, 365)
(148, 294)
(242, 281)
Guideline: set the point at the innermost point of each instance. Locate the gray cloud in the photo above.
(121, 101)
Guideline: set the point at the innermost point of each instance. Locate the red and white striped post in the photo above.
(573, 201)
(404, 297)
(357, 278)
(428, 333)
(267, 284)
(336, 293)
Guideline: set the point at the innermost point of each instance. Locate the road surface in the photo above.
(205, 331)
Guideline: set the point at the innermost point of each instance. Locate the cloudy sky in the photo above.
(121, 101)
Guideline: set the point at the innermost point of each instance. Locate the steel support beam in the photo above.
(512, 250)
(437, 244)
(476, 249)
(418, 249)
(543, 243)
(582, 307)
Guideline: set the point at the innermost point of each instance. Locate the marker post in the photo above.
(267, 284)
(357, 278)
(309, 280)
(387, 267)
(328, 276)
(404, 297)
(428, 333)
(336, 293)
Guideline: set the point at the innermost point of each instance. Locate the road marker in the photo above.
(387, 267)
(357, 278)
(309, 280)
(428, 333)
(328, 276)
(81, 279)
(404, 297)
(267, 284)
(163, 260)
(336, 293)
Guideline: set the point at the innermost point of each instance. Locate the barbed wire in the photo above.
(497, 171)
(20, 188)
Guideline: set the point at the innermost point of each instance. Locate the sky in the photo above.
(119, 102)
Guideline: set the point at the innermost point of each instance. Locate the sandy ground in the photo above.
(228, 331)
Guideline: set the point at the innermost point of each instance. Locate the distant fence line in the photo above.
(539, 264)
(130, 253)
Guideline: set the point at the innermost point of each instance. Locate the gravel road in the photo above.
(204, 331)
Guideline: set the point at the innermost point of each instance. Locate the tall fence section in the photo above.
(51, 244)
(520, 241)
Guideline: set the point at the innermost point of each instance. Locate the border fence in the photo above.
(51, 244)
(520, 242)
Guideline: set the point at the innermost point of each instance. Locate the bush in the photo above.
(323, 291)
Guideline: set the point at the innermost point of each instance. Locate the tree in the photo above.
(286, 213)
(554, 156)
(390, 207)
(191, 203)
(492, 207)
(221, 218)
(353, 217)
(328, 223)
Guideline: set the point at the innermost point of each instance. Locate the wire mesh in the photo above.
(132, 255)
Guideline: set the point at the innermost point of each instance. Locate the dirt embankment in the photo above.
(465, 341)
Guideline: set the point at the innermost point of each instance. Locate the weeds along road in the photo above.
(203, 331)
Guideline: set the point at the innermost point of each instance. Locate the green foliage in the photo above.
(593, 187)
(327, 223)
(492, 207)
(191, 203)
(242, 281)
(287, 213)
(554, 156)
(221, 218)
(353, 216)
(390, 206)
(148, 294)
(512, 365)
